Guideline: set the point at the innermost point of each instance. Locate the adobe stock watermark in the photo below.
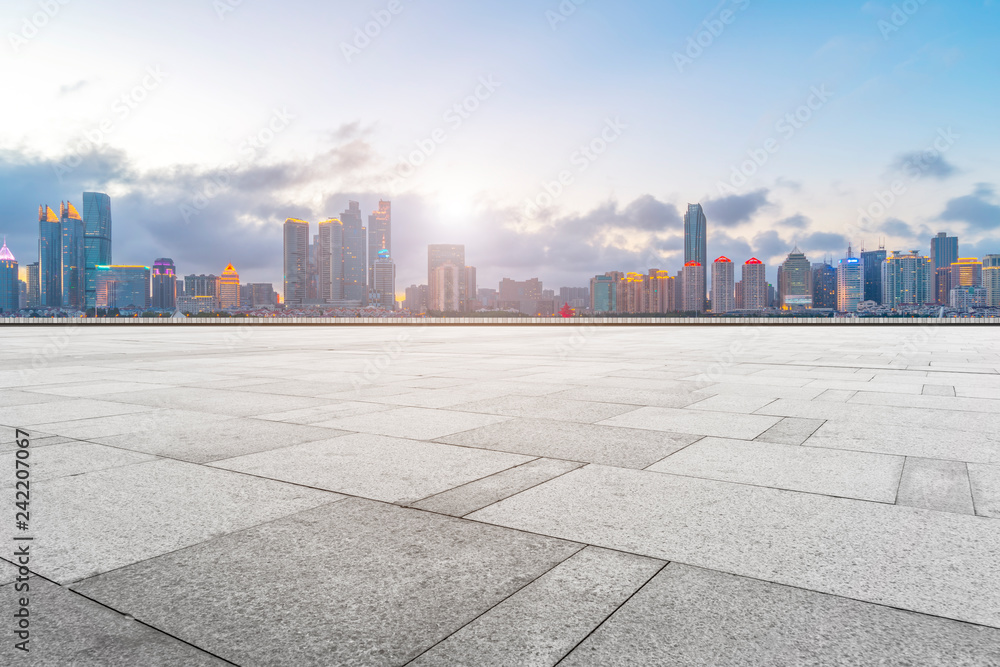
(121, 109)
(365, 35)
(562, 13)
(32, 25)
(224, 7)
(249, 149)
(915, 168)
(786, 127)
(582, 159)
(900, 16)
(709, 31)
(455, 117)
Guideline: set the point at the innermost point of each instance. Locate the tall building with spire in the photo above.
(229, 288)
(97, 240)
(73, 257)
(296, 262)
(379, 236)
(10, 288)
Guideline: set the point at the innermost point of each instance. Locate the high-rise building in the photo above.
(34, 299)
(659, 292)
(164, 283)
(296, 251)
(604, 293)
(967, 272)
(49, 258)
(97, 240)
(825, 286)
(229, 288)
(355, 256)
(258, 295)
(632, 293)
(942, 285)
(385, 280)
(796, 281)
(123, 286)
(850, 283)
(944, 251)
(968, 297)
(871, 261)
(330, 261)
(10, 284)
(723, 286)
(312, 276)
(521, 295)
(991, 280)
(695, 240)
(694, 287)
(379, 235)
(470, 287)
(906, 280)
(754, 285)
(73, 257)
(446, 279)
(416, 299)
(203, 287)
(437, 256)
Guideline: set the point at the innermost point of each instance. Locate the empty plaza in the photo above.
(490, 495)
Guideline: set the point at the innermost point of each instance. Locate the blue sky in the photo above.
(180, 88)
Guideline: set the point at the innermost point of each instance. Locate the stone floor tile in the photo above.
(732, 403)
(413, 423)
(545, 407)
(936, 485)
(69, 458)
(985, 489)
(832, 395)
(217, 401)
(690, 616)
(698, 422)
(938, 390)
(790, 431)
(150, 420)
(322, 413)
(355, 582)
(542, 622)
(67, 409)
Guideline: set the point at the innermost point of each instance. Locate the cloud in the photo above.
(924, 164)
(978, 210)
(73, 87)
(797, 221)
(735, 209)
(898, 228)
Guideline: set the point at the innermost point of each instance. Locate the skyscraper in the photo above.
(469, 288)
(659, 292)
(907, 280)
(97, 240)
(944, 251)
(296, 249)
(991, 280)
(723, 286)
(796, 281)
(330, 260)
(385, 280)
(850, 283)
(34, 299)
(437, 256)
(695, 239)
(604, 293)
(49, 258)
(355, 257)
(229, 288)
(825, 286)
(379, 236)
(73, 257)
(9, 282)
(871, 261)
(754, 285)
(446, 294)
(694, 287)
(164, 279)
(942, 285)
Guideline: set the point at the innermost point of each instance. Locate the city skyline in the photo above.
(858, 117)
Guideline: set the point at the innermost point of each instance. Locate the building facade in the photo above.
(296, 262)
(850, 283)
(991, 280)
(164, 284)
(967, 272)
(355, 254)
(123, 286)
(907, 280)
(694, 287)
(796, 281)
(10, 284)
(754, 285)
(723, 286)
(825, 286)
(229, 288)
(97, 240)
(438, 255)
(695, 241)
(871, 261)
(385, 281)
(379, 236)
(944, 251)
(49, 258)
(73, 257)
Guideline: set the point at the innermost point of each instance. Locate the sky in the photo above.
(554, 139)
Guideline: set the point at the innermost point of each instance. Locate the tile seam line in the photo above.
(527, 489)
(582, 546)
(615, 611)
(474, 481)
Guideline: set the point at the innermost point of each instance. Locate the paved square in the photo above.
(508, 495)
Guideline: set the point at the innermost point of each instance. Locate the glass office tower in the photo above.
(97, 240)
